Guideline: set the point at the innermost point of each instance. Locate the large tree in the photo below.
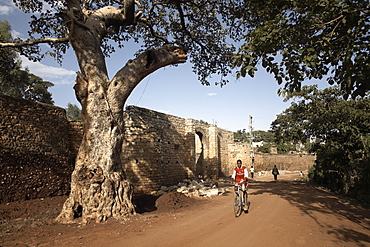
(168, 30)
(340, 131)
(16, 82)
(297, 40)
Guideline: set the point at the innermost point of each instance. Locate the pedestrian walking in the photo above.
(252, 171)
(275, 172)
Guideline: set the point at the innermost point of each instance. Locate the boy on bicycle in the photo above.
(240, 175)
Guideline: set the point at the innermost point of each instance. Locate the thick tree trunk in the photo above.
(99, 189)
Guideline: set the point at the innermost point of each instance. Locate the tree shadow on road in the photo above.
(311, 199)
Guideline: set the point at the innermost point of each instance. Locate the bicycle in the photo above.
(239, 200)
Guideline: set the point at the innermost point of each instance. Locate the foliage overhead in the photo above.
(17, 82)
(304, 39)
(193, 25)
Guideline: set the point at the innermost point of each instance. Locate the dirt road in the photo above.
(281, 214)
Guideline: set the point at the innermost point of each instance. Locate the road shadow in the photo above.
(310, 198)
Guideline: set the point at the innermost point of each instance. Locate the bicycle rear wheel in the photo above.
(238, 206)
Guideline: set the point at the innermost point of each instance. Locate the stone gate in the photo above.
(162, 149)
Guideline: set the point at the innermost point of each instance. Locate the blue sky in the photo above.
(172, 90)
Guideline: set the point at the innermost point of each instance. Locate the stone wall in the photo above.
(263, 162)
(161, 149)
(156, 150)
(35, 156)
(291, 162)
(38, 147)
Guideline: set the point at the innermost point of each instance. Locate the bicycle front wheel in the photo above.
(238, 205)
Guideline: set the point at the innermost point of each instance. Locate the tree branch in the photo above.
(36, 41)
(340, 17)
(109, 16)
(135, 70)
(152, 31)
(182, 21)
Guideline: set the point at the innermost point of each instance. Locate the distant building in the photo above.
(257, 144)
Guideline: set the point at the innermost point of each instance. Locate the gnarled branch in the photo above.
(135, 70)
(35, 42)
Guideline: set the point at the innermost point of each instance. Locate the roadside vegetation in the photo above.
(335, 128)
(338, 131)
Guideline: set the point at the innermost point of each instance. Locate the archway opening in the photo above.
(199, 154)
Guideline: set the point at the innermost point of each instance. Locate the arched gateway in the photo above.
(162, 149)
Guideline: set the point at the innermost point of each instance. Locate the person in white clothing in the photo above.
(252, 171)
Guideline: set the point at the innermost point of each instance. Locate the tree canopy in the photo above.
(304, 39)
(321, 115)
(16, 82)
(192, 25)
(340, 132)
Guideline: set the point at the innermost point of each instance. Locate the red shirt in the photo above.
(240, 173)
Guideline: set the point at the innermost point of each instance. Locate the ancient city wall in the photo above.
(291, 162)
(38, 147)
(156, 150)
(265, 162)
(161, 149)
(35, 155)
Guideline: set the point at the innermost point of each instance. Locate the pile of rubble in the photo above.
(193, 188)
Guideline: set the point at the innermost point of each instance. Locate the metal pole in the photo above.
(251, 140)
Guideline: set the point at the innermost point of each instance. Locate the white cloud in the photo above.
(6, 7)
(5, 10)
(55, 75)
(16, 34)
(212, 94)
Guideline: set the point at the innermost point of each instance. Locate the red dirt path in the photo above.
(282, 213)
